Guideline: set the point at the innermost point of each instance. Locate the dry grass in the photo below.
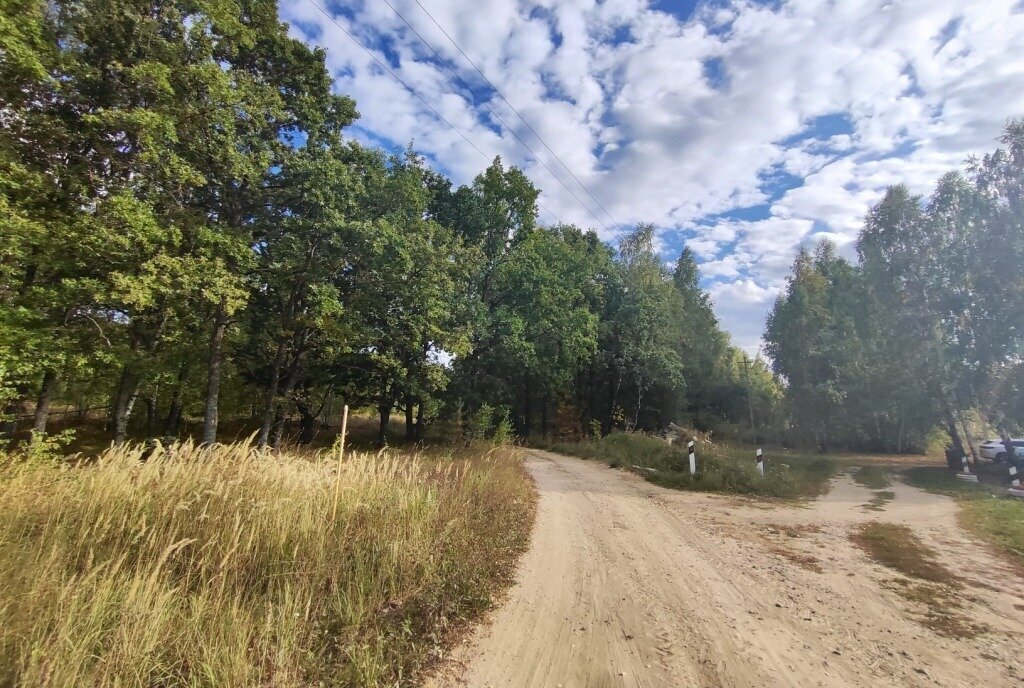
(224, 567)
(896, 547)
(801, 559)
(929, 586)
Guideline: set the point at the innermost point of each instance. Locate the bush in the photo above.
(478, 425)
(230, 567)
(720, 468)
(503, 432)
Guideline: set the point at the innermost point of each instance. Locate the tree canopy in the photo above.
(926, 328)
(187, 229)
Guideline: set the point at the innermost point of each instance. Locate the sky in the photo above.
(743, 129)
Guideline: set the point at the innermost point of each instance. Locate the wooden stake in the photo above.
(341, 455)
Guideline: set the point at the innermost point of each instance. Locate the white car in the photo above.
(993, 449)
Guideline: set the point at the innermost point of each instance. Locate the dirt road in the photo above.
(629, 584)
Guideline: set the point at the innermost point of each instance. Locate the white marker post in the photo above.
(1015, 489)
(965, 474)
(693, 459)
(760, 462)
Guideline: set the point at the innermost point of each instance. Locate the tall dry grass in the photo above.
(222, 566)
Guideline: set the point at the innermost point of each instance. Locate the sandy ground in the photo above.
(630, 584)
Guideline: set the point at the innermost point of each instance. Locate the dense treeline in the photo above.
(187, 231)
(927, 331)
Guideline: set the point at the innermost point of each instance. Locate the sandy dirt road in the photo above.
(629, 584)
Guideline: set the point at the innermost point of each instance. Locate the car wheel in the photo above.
(1000, 457)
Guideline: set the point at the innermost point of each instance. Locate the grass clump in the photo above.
(223, 566)
(872, 477)
(720, 468)
(896, 547)
(879, 500)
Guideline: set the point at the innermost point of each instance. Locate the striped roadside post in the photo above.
(693, 459)
(760, 462)
(965, 474)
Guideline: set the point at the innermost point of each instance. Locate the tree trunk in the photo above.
(151, 415)
(410, 427)
(527, 407)
(544, 400)
(384, 408)
(1011, 453)
(419, 420)
(289, 387)
(46, 390)
(971, 443)
(210, 418)
(124, 401)
(269, 412)
(613, 391)
(955, 452)
(307, 423)
(173, 421)
(639, 403)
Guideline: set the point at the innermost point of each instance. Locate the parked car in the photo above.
(993, 449)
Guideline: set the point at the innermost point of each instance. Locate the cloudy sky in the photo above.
(742, 129)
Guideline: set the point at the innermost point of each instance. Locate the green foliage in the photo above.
(236, 256)
(478, 425)
(46, 448)
(926, 329)
(502, 431)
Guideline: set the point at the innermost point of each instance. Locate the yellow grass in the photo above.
(223, 567)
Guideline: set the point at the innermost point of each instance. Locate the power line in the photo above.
(518, 114)
(397, 78)
(512, 131)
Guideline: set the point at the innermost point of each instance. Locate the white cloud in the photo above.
(744, 303)
(641, 125)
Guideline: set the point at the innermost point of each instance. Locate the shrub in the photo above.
(503, 432)
(720, 468)
(478, 425)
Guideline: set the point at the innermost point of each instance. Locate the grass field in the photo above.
(228, 567)
(720, 467)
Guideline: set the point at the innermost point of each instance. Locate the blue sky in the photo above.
(743, 129)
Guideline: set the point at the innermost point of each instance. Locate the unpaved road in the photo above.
(629, 584)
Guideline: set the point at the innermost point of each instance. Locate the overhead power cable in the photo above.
(408, 88)
(512, 131)
(479, 71)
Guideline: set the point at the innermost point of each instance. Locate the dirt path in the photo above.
(629, 584)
